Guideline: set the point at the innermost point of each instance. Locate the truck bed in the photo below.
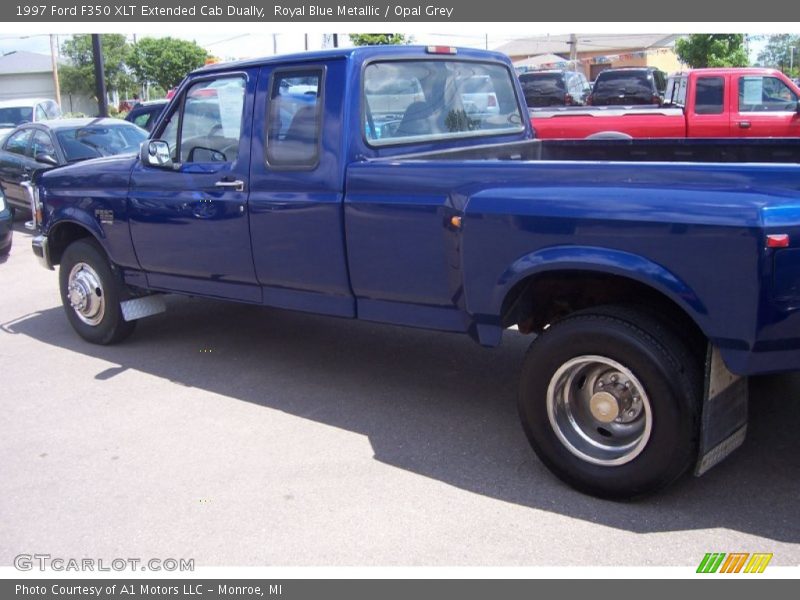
(708, 150)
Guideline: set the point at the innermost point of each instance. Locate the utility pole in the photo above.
(99, 75)
(573, 51)
(54, 59)
(274, 43)
(335, 40)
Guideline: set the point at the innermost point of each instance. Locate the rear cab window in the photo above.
(418, 100)
(709, 96)
(294, 118)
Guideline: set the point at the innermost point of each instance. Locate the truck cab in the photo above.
(736, 102)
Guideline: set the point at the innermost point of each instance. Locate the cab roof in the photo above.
(357, 53)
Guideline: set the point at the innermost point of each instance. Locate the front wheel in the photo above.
(610, 402)
(91, 293)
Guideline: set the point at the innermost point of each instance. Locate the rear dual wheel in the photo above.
(610, 402)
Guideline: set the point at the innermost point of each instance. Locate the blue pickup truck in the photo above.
(368, 183)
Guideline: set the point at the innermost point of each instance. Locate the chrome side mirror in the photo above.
(155, 153)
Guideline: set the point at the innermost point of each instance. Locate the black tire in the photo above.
(87, 256)
(580, 346)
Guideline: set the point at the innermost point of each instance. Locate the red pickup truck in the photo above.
(700, 103)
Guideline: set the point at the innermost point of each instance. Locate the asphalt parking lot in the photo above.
(240, 435)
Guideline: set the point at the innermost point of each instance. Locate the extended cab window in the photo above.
(431, 100)
(210, 122)
(765, 94)
(293, 128)
(709, 96)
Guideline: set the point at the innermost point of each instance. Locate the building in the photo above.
(30, 75)
(595, 52)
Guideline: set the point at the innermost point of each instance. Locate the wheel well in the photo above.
(535, 302)
(63, 235)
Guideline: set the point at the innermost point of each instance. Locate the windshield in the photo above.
(431, 100)
(93, 141)
(11, 116)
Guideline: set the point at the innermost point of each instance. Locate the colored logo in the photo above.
(735, 562)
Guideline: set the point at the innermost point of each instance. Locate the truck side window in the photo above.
(293, 126)
(765, 94)
(709, 96)
(211, 125)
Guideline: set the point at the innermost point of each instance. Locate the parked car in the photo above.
(655, 283)
(699, 103)
(37, 146)
(26, 110)
(555, 88)
(145, 114)
(628, 86)
(6, 227)
(478, 96)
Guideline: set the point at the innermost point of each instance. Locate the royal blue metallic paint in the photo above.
(367, 234)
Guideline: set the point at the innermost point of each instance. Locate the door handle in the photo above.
(236, 185)
(744, 124)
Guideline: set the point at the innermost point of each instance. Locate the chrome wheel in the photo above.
(85, 294)
(599, 410)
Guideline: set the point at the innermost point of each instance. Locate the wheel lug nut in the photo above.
(628, 385)
(613, 379)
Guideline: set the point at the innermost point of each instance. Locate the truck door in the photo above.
(296, 213)
(765, 107)
(706, 114)
(189, 223)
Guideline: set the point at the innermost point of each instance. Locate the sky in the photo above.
(250, 45)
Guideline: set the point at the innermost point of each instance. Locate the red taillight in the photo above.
(778, 240)
(569, 100)
(492, 101)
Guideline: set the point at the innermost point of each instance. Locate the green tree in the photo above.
(782, 52)
(378, 39)
(712, 50)
(165, 61)
(77, 77)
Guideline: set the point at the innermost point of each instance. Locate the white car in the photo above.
(26, 110)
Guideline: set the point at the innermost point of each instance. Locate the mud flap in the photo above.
(723, 423)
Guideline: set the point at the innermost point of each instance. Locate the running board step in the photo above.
(146, 306)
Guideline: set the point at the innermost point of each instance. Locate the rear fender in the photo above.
(591, 259)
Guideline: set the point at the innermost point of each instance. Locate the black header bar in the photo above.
(397, 11)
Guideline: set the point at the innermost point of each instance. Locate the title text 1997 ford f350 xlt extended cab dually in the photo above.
(358, 183)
